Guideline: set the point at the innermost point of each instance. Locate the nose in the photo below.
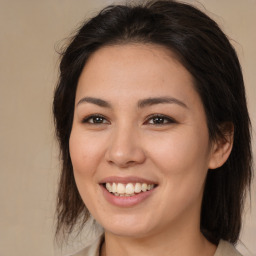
(125, 148)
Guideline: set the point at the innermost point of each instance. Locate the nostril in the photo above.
(125, 152)
(122, 164)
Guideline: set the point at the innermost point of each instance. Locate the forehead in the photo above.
(137, 70)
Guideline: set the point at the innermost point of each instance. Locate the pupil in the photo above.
(97, 119)
(158, 120)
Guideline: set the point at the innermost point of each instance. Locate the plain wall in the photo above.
(29, 33)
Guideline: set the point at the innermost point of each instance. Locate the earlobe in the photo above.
(222, 147)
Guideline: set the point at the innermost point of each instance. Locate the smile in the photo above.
(129, 189)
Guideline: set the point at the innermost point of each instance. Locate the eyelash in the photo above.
(86, 119)
(164, 117)
(167, 120)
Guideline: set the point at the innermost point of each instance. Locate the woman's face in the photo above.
(140, 130)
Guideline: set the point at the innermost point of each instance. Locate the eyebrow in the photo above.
(160, 100)
(96, 101)
(141, 103)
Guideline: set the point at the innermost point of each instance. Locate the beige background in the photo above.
(29, 31)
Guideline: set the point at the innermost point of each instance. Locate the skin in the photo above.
(176, 154)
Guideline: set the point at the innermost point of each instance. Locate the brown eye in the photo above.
(95, 119)
(160, 120)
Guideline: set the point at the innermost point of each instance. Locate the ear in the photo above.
(221, 147)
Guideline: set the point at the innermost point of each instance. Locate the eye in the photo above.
(159, 119)
(95, 119)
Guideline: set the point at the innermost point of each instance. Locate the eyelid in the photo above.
(168, 118)
(87, 118)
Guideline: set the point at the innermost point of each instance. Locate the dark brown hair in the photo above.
(204, 50)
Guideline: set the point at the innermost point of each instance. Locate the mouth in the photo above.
(128, 189)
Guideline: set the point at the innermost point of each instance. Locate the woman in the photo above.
(154, 132)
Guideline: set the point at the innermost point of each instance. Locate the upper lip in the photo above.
(125, 180)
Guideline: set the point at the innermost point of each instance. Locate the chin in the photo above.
(128, 227)
(128, 232)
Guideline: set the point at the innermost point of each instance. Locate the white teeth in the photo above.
(129, 189)
(144, 187)
(109, 187)
(137, 188)
(120, 189)
(114, 188)
(149, 187)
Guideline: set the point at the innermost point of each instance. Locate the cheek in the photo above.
(180, 149)
(182, 159)
(85, 152)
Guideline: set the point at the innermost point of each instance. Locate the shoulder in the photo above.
(91, 250)
(226, 249)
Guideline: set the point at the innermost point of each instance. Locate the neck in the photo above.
(185, 242)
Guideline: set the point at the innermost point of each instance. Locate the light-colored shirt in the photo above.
(224, 249)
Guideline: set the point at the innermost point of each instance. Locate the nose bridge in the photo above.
(125, 146)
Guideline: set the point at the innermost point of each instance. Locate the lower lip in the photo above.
(126, 201)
